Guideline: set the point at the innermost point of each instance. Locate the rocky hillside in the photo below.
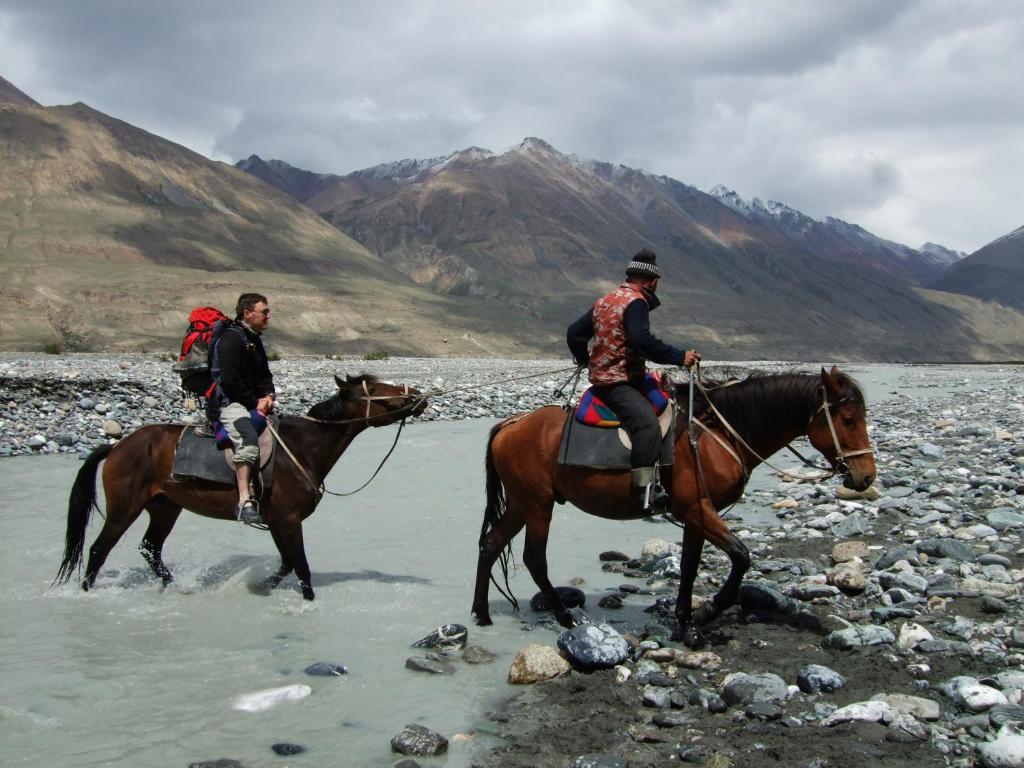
(994, 272)
(542, 232)
(111, 234)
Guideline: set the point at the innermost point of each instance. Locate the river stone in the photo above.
(852, 525)
(571, 597)
(112, 428)
(657, 697)
(1004, 518)
(1001, 714)
(930, 450)
(949, 548)
(815, 678)
(432, 663)
(1005, 751)
(536, 662)
(848, 577)
(757, 596)
(858, 637)
(739, 688)
(906, 730)
(848, 550)
(655, 549)
(894, 555)
(764, 710)
(919, 707)
(447, 636)
(417, 740)
(223, 762)
(699, 660)
(36, 441)
(598, 761)
(284, 748)
(474, 654)
(968, 694)
(672, 718)
(985, 587)
(613, 556)
(326, 669)
(610, 602)
(943, 647)
(911, 635)
(862, 711)
(593, 646)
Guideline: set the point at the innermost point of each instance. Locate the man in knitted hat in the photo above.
(620, 326)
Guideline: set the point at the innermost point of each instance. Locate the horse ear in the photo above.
(831, 383)
(342, 384)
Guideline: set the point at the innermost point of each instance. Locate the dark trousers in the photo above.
(637, 417)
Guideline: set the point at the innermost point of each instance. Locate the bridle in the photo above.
(839, 463)
(412, 402)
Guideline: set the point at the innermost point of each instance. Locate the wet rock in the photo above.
(1005, 751)
(862, 711)
(658, 697)
(598, 761)
(699, 660)
(757, 596)
(260, 701)
(1006, 714)
(593, 646)
(571, 597)
(416, 740)
(431, 663)
(906, 730)
(911, 635)
(474, 654)
(858, 637)
(534, 663)
(612, 556)
(673, 719)
(222, 762)
(447, 636)
(284, 748)
(848, 577)
(815, 678)
(970, 695)
(740, 688)
(610, 602)
(764, 710)
(409, 763)
(919, 707)
(326, 669)
(655, 549)
(849, 550)
(35, 442)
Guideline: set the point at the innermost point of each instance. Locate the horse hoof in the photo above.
(484, 620)
(706, 613)
(690, 636)
(565, 619)
(85, 585)
(307, 593)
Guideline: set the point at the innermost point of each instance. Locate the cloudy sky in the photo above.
(905, 117)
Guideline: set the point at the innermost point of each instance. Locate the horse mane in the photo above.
(332, 408)
(765, 404)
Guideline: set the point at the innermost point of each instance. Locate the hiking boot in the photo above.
(249, 512)
(645, 494)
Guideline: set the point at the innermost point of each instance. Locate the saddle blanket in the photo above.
(594, 412)
(602, 448)
(197, 456)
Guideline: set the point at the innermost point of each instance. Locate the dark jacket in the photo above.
(239, 366)
(637, 325)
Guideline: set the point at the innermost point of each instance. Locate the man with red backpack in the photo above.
(242, 383)
(620, 327)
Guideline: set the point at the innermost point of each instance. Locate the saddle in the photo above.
(605, 448)
(197, 456)
(592, 411)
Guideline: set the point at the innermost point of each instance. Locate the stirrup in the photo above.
(248, 512)
(656, 499)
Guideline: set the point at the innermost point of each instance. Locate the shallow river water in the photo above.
(132, 674)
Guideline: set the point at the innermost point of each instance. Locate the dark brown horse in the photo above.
(767, 412)
(137, 476)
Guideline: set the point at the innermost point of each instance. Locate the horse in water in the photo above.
(137, 476)
(766, 413)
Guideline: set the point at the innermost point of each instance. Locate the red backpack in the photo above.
(194, 360)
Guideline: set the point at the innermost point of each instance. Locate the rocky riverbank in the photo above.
(877, 628)
(51, 404)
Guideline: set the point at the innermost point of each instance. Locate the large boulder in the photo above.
(1005, 751)
(593, 646)
(739, 688)
(858, 637)
(536, 662)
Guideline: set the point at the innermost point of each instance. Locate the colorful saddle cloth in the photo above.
(593, 412)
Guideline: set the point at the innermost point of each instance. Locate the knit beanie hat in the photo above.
(644, 264)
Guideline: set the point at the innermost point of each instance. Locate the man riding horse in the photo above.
(620, 326)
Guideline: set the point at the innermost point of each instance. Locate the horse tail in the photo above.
(80, 504)
(494, 512)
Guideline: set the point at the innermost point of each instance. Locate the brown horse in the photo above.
(137, 476)
(766, 411)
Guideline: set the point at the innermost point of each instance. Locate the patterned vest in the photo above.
(611, 360)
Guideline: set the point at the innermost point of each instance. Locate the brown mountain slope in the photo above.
(544, 232)
(11, 95)
(109, 234)
(994, 272)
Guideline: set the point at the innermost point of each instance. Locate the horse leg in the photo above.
(687, 630)
(119, 519)
(491, 546)
(294, 552)
(163, 514)
(536, 560)
(718, 533)
(274, 579)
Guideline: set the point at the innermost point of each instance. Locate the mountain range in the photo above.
(542, 232)
(112, 234)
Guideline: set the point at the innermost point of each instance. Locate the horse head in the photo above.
(838, 429)
(365, 398)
